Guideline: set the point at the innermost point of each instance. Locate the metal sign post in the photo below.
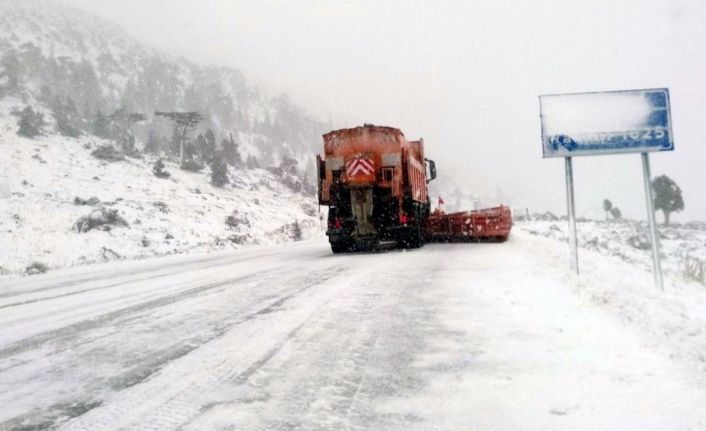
(657, 267)
(571, 209)
(609, 122)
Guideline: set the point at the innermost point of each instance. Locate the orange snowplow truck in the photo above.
(374, 182)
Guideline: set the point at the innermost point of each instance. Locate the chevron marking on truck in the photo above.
(360, 166)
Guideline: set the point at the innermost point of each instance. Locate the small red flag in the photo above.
(441, 201)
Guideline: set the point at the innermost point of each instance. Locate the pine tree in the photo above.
(607, 206)
(66, 117)
(12, 71)
(199, 146)
(208, 150)
(219, 171)
(122, 122)
(296, 231)
(31, 122)
(101, 125)
(189, 161)
(667, 196)
(184, 123)
(152, 144)
(127, 144)
(230, 151)
(288, 166)
(175, 142)
(252, 162)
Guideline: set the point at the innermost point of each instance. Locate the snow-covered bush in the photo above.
(288, 174)
(158, 169)
(640, 242)
(107, 153)
(309, 210)
(90, 201)
(36, 268)
(191, 165)
(236, 220)
(296, 231)
(546, 216)
(100, 217)
(66, 116)
(693, 270)
(238, 239)
(161, 206)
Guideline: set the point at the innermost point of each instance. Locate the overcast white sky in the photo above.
(465, 75)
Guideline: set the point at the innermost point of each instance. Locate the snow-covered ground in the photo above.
(451, 336)
(629, 240)
(40, 178)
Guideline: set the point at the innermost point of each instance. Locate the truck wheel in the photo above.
(416, 239)
(412, 238)
(340, 247)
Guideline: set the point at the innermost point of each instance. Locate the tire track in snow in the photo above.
(299, 285)
(155, 273)
(180, 390)
(102, 320)
(92, 311)
(321, 378)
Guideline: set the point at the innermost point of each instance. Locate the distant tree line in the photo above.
(99, 96)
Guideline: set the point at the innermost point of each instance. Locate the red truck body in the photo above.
(374, 182)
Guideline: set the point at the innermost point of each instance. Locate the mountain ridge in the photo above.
(50, 50)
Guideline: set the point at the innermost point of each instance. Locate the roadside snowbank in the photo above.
(618, 277)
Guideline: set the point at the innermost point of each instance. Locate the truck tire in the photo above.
(337, 247)
(342, 246)
(416, 237)
(413, 238)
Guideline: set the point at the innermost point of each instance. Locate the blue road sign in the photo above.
(583, 124)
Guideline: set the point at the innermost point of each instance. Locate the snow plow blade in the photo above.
(490, 224)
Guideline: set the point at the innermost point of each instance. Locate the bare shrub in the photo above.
(693, 270)
(236, 220)
(161, 206)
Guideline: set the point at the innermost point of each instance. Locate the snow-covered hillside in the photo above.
(40, 179)
(76, 69)
(54, 55)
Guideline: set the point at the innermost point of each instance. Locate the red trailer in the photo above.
(486, 224)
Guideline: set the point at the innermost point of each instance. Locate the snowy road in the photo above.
(452, 336)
